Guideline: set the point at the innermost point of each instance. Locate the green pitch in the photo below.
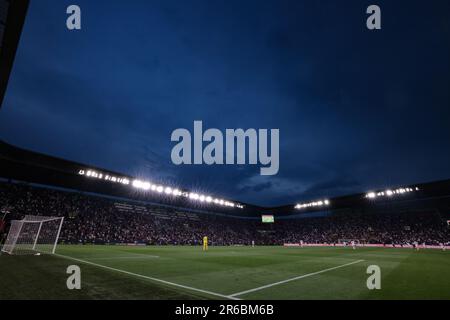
(119, 272)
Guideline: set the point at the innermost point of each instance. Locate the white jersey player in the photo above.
(353, 245)
(301, 243)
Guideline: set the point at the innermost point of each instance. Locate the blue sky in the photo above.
(356, 109)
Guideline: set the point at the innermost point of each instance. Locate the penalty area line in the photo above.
(149, 278)
(293, 279)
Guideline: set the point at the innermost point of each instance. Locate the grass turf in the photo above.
(405, 274)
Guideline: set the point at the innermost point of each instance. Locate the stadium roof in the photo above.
(28, 166)
(12, 18)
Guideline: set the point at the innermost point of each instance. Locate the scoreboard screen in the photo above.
(268, 218)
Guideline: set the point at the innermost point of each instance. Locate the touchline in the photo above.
(235, 152)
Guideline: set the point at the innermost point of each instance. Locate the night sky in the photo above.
(357, 109)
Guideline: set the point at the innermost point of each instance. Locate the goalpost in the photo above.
(33, 234)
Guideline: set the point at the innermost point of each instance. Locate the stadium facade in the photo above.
(19, 165)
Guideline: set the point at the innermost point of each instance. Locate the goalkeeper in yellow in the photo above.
(205, 243)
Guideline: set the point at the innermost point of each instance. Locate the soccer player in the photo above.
(353, 244)
(301, 243)
(253, 243)
(205, 243)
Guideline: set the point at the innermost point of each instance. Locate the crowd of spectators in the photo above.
(93, 219)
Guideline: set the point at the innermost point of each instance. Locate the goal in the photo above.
(33, 234)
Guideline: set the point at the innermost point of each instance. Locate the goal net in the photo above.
(33, 234)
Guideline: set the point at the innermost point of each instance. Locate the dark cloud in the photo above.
(340, 185)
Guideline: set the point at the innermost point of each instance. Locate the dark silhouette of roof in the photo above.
(12, 18)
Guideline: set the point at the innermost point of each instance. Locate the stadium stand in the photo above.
(101, 211)
(94, 219)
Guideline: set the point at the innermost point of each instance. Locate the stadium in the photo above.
(140, 237)
(137, 242)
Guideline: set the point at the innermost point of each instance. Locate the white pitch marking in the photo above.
(149, 278)
(293, 279)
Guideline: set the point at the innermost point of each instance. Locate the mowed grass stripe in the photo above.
(150, 278)
(293, 279)
(406, 274)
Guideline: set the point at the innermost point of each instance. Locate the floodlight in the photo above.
(371, 195)
(193, 196)
(146, 185)
(136, 184)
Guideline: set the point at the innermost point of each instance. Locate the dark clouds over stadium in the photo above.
(356, 109)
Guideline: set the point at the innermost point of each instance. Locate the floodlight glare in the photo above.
(193, 196)
(391, 193)
(319, 203)
(144, 185)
